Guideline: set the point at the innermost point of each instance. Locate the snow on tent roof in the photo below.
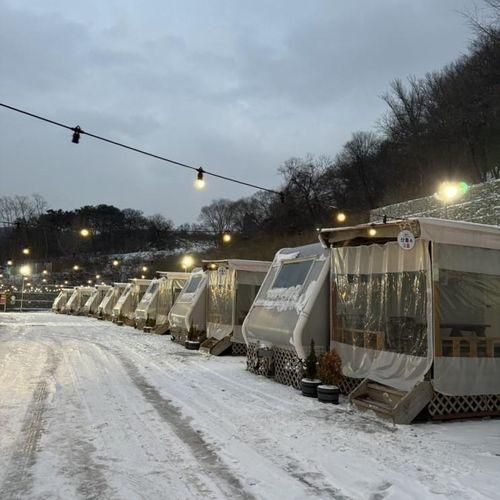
(241, 264)
(295, 310)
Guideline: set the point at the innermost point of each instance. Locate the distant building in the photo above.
(480, 204)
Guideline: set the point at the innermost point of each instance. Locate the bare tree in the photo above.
(219, 216)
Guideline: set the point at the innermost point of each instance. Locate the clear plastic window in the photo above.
(292, 274)
(385, 311)
(193, 284)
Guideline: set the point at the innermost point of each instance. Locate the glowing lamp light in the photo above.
(97, 276)
(143, 277)
(25, 270)
(450, 191)
(199, 182)
(26, 251)
(226, 238)
(116, 262)
(65, 282)
(341, 217)
(45, 272)
(76, 267)
(187, 262)
(44, 280)
(89, 282)
(144, 268)
(84, 232)
(372, 231)
(10, 262)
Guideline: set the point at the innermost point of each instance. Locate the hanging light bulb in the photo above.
(199, 183)
(76, 135)
(341, 217)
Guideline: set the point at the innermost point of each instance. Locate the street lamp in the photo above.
(116, 262)
(25, 271)
(10, 262)
(341, 217)
(144, 269)
(85, 233)
(26, 251)
(76, 267)
(226, 238)
(187, 262)
(448, 192)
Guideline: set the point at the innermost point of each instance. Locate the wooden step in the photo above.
(386, 388)
(384, 394)
(366, 403)
(388, 402)
(215, 346)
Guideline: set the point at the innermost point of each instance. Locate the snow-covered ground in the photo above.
(93, 410)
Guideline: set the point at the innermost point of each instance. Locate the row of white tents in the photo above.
(412, 307)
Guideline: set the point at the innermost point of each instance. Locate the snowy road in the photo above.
(92, 410)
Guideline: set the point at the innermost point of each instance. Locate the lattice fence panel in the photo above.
(239, 349)
(288, 368)
(259, 366)
(450, 406)
(348, 385)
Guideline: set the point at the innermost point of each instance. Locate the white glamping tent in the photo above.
(188, 314)
(61, 299)
(105, 308)
(90, 307)
(291, 308)
(231, 289)
(78, 299)
(152, 311)
(416, 316)
(124, 310)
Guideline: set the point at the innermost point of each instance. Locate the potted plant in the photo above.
(310, 383)
(330, 373)
(194, 339)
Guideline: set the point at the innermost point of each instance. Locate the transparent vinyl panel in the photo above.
(220, 296)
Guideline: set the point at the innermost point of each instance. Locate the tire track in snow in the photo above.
(201, 450)
(18, 479)
(314, 481)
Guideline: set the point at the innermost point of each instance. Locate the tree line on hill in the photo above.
(443, 126)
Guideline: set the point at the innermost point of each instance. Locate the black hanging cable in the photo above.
(77, 131)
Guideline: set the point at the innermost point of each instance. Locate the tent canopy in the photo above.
(189, 310)
(400, 308)
(291, 307)
(232, 287)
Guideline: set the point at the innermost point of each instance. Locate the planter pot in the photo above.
(328, 394)
(310, 387)
(147, 329)
(192, 345)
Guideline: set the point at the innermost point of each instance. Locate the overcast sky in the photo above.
(235, 86)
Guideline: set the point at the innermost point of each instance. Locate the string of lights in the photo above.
(200, 172)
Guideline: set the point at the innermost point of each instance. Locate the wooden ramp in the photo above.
(215, 346)
(387, 402)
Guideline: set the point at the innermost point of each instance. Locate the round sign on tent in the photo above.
(406, 239)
